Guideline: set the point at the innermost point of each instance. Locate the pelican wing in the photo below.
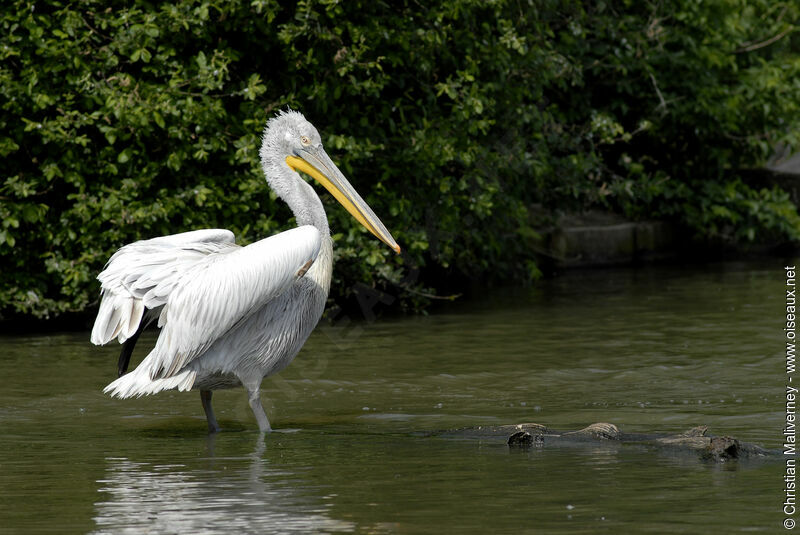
(141, 275)
(205, 288)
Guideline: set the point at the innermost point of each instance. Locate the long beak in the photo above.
(314, 162)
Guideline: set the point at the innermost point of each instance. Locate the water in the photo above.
(660, 349)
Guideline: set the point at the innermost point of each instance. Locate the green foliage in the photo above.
(465, 124)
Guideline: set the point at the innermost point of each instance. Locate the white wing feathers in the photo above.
(142, 274)
(204, 283)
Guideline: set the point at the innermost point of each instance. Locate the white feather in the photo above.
(131, 271)
(205, 288)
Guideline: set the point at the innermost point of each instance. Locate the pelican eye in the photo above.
(305, 141)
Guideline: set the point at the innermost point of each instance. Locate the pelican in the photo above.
(228, 315)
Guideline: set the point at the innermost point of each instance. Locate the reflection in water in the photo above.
(142, 497)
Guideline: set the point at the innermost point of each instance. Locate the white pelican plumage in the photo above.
(231, 315)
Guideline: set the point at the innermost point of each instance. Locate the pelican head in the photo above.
(292, 144)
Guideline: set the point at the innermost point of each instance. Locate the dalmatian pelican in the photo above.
(231, 315)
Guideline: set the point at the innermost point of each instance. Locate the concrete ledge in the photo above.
(589, 242)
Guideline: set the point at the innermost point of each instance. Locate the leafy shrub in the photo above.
(465, 124)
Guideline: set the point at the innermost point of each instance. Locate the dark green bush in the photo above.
(466, 124)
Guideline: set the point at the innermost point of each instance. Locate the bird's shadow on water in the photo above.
(189, 429)
(194, 429)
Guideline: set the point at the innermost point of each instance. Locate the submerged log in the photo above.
(696, 441)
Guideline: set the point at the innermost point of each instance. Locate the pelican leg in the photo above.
(258, 411)
(205, 397)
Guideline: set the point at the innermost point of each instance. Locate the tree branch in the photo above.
(762, 44)
(663, 105)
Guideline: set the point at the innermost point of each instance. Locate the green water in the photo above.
(659, 349)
